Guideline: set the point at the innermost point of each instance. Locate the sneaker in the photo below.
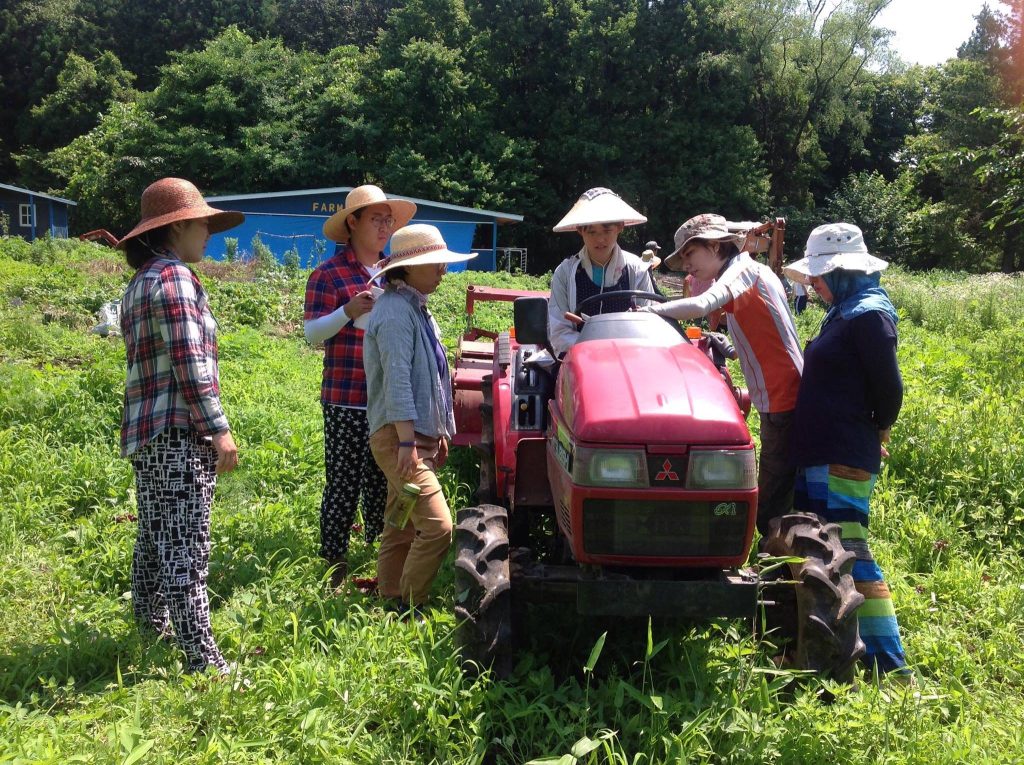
(404, 612)
(339, 570)
(413, 613)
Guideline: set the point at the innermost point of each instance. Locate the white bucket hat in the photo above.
(597, 206)
(336, 228)
(832, 246)
(417, 245)
(706, 226)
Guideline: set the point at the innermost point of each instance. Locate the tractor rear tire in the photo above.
(815, 620)
(483, 594)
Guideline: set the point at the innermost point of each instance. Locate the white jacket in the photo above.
(561, 332)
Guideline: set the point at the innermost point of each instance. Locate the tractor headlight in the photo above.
(721, 469)
(610, 467)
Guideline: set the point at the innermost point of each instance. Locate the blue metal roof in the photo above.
(41, 194)
(500, 217)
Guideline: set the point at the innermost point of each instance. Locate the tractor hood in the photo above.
(635, 392)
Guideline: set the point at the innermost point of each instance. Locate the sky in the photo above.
(930, 31)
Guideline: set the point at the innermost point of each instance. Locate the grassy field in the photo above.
(334, 679)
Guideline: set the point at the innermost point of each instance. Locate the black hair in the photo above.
(357, 214)
(727, 248)
(140, 249)
(396, 273)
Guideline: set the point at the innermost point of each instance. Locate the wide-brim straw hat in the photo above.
(832, 246)
(418, 245)
(707, 227)
(170, 200)
(336, 227)
(650, 260)
(598, 206)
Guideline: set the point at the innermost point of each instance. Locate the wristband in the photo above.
(406, 443)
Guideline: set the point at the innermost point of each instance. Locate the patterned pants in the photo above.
(174, 478)
(840, 494)
(351, 473)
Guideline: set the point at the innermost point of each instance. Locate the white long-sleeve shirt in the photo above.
(561, 332)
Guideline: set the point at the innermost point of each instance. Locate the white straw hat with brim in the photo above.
(650, 259)
(336, 228)
(418, 245)
(707, 227)
(598, 206)
(832, 246)
(171, 200)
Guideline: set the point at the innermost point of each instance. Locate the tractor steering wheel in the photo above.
(602, 296)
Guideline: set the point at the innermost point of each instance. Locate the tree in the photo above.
(231, 116)
(805, 58)
(950, 227)
(428, 115)
(641, 97)
(896, 101)
(1013, 70)
(881, 208)
(35, 37)
(321, 25)
(1000, 167)
(986, 41)
(84, 91)
(107, 169)
(144, 33)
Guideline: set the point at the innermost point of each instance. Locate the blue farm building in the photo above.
(33, 215)
(294, 219)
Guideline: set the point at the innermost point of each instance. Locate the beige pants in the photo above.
(409, 558)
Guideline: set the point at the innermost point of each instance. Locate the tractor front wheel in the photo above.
(813, 616)
(483, 602)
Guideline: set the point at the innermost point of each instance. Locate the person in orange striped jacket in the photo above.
(762, 329)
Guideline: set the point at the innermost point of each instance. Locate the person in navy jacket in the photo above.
(850, 395)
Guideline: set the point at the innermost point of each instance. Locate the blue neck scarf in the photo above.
(854, 293)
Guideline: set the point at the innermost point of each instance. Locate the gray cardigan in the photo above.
(402, 381)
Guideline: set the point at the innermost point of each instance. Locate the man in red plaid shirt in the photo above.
(337, 296)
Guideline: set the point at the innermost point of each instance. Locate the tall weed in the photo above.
(335, 678)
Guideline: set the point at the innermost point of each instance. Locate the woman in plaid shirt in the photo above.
(338, 297)
(174, 429)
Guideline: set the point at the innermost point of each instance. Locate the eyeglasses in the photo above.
(382, 221)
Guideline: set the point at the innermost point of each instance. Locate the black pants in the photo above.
(174, 478)
(775, 473)
(351, 473)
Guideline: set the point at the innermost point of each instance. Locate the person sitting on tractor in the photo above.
(763, 332)
(599, 216)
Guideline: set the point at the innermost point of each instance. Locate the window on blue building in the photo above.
(26, 215)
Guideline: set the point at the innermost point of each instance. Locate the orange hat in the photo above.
(170, 200)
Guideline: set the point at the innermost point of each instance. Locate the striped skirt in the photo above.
(840, 494)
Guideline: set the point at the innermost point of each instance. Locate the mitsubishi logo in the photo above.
(667, 473)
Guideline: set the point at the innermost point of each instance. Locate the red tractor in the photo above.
(621, 481)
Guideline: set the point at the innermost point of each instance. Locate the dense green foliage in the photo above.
(748, 107)
(334, 679)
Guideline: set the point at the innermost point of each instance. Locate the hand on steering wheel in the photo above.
(574, 318)
(578, 317)
(602, 296)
